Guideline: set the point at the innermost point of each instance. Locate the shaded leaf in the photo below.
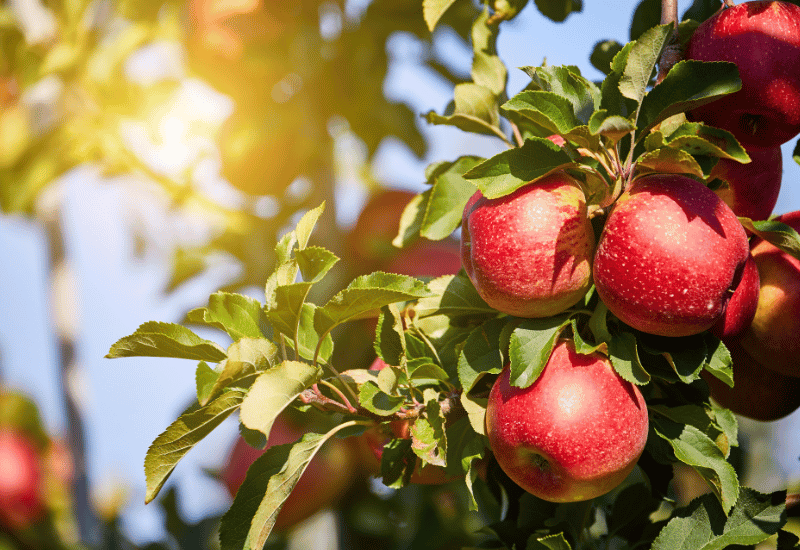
(433, 10)
(778, 233)
(474, 109)
(482, 353)
(488, 69)
(445, 202)
(669, 161)
(454, 296)
(603, 53)
(376, 401)
(532, 342)
(240, 316)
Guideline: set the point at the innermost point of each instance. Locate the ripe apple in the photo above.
(529, 253)
(669, 256)
(758, 392)
(21, 499)
(763, 39)
(772, 337)
(753, 188)
(742, 306)
(574, 434)
(427, 259)
(325, 480)
(370, 240)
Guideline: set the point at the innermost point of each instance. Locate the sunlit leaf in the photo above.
(154, 339)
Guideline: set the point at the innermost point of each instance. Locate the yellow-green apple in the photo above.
(742, 306)
(772, 337)
(529, 253)
(763, 39)
(325, 480)
(669, 256)
(758, 392)
(21, 497)
(574, 434)
(377, 437)
(753, 188)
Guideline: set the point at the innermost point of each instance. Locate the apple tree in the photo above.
(566, 410)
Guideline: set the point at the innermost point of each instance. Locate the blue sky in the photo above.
(130, 401)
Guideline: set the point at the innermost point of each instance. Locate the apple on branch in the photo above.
(572, 435)
(753, 188)
(763, 39)
(529, 253)
(772, 337)
(324, 481)
(669, 256)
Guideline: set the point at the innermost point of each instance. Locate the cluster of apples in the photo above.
(672, 260)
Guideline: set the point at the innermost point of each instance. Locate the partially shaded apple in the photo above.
(669, 256)
(742, 306)
(529, 253)
(753, 188)
(773, 338)
(574, 434)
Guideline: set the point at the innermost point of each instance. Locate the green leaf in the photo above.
(454, 296)
(550, 111)
(532, 342)
(314, 262)
(642, 60)
(482, 353)
(488, 69)
(306, 225)
(270, 480)
(432, 11)
(613, 102)
(624, 357)
(778, 233)
(398, 463)
(390, 342)
(377, 401)
(154, 339)
(688, 85)
(428, 436)
(548, 542)
(445, 202)
(411, 220)
(192, 426)
(308, 339)
(703, 526)
(288, 305)
(558, 10)
(367, 294)
(718, 360)
(669, 161)
(421, 371)
(239, 316)
(506, 172)
(246, 358)
(691, 446)
(698, 139)
(567, 82)
(603, 54)
(614, 127)
(273, 391)
(205, 378)
(474, 109)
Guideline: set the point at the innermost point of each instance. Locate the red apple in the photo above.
(370, 240)
(325, 480)
(763, 39)
(574, 434)
(529, 253)
(669, 256)
(427, 259)
(772, 337)
(753, 188)
(21, 499)
(758, 392)
(742, 306)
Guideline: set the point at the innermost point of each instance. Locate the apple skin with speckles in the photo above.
(753, 188)
(772, 337)
(763, 39)
(529, 253)
(670, 255)
(574, 434)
